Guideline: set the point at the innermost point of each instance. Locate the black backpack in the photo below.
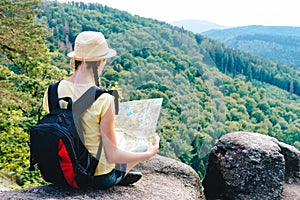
(57, 140)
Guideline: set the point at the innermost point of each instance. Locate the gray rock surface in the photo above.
(2, 189)
(163, 179)
(250, 166)
(292, 163)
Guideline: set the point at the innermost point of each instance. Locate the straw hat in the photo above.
(91, 46)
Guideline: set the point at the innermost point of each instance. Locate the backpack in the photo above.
(57, 140)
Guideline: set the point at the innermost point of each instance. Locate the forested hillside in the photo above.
(208, 89)
(278, 43)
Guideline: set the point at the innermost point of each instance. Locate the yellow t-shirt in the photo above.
(90, 118)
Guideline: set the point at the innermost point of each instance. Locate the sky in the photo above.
(221, 12)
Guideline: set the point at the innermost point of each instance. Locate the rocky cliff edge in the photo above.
(163, 179)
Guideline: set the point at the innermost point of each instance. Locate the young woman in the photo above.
(90, 54)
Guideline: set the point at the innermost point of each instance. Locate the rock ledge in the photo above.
(163, 179)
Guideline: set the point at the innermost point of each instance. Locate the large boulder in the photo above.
(163, 179)
(246, 165)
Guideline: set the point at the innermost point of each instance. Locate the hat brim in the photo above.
(109, 54)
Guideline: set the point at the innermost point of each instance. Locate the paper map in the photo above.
(136, 123)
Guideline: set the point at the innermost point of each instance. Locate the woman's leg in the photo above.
(104, 181)
(126, 176)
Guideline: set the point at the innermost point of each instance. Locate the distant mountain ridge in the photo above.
(259, 29)
(197, 26)
(278, 43)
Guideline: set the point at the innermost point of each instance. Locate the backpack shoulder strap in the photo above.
(88, 98)
(116, 101)
(85, 101)
(53, 101)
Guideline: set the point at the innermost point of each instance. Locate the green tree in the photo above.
(22, 39)
(258, 115)
(24, 73)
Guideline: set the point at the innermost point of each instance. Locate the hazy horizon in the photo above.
(225, 13)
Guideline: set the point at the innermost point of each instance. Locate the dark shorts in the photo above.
(108, 180)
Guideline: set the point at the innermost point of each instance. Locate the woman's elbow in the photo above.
(112, 158)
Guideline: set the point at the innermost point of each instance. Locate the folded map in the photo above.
(136, 122)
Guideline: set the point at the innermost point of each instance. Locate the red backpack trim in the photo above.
(66, 164)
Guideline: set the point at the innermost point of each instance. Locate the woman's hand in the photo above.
(153, 146)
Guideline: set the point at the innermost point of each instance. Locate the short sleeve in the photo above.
(103, 103)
